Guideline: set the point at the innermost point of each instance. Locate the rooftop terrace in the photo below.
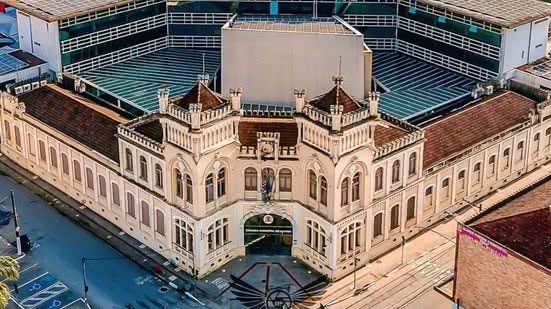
(330, 25)
(137, 80)
(414, 88)
(507, 13)
(51, 10)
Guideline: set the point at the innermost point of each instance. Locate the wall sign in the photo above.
(268, 219)
(484, 242)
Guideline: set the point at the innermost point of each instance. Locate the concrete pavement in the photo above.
(428, 261)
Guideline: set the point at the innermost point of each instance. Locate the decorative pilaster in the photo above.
(195, 112)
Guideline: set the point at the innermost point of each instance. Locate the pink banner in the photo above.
(485, 243)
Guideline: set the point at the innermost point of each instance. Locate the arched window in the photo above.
(160, 222)
(536, 146)
(548, 136)
(268, 177)
(209, 188)
(429, 198)
(396, 171)
(285, 180)
(506, 158)
(64, 164)
(461, 181)
(221, 182)
(395, 217)
(143, 168)
(351, 238)
(313, 184)
(130, 205)
(129, 160)
(344, 192)
(102, 185)
(520, 151)
(32, 147)
(379, 179)
(445, 189)
(89, 179)
(410, 212)
(356, 187)
(378, 225)
(189, 189)
(76, 171)
(323, 191)
(17, 136)
(477, 173)
(250, 179)
(183, 236)
(53, 157)
(115, 194)
(492, 165)
(42, 150)
(179, 184)
(218, 234)
(145, 214)
(412, 164)
(315, 237)
(158, 176)
(7, 130)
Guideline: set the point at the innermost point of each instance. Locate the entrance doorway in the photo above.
(268, 235)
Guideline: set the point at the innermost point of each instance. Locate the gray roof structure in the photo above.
(52, 10)
(506, 13)
(305, 24)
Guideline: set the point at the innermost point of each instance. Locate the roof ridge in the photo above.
(471, 106)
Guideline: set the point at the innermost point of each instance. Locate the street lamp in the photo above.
(479, 206)
(17, 228)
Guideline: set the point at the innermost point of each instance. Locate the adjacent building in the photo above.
(503, 258)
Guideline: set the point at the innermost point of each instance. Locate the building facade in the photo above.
(203, 181)
(503, 263)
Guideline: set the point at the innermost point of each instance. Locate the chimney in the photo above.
(299, 100)
(163, 100)
(368, 70)
(195, 111)
(336, 117)
(236, 99)
(374, 104)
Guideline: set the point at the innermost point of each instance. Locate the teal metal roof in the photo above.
(136, 81)
(414, 87)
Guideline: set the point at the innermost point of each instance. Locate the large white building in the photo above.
(202, 181)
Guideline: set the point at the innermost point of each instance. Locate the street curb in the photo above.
(85, 221)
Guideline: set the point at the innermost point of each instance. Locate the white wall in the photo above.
(268, 65)
(524, 44)
(40, 38)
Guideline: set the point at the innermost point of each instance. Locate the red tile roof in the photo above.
(152, 129)
(74, 119)
(337, 96)
(287, 127)
(528, 234)
(387, 134)
(475, 124)
(201, 93)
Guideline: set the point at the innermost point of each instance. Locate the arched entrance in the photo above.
(268, 234)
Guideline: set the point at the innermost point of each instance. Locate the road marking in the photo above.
(80, 300)
(24, 270)
(35, 278)
(45, 295)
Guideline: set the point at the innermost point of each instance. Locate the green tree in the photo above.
(9, 270)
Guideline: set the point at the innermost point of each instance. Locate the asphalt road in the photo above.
(54, 263)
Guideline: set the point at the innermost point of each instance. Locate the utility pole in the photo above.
(84, 281)
(355, 264)
(403, 246)
(17, 228)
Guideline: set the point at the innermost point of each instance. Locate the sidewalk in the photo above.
(422, 249)
(105, 230)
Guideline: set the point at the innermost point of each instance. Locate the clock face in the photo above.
(267, 148)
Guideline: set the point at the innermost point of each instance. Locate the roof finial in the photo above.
(338, 79)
